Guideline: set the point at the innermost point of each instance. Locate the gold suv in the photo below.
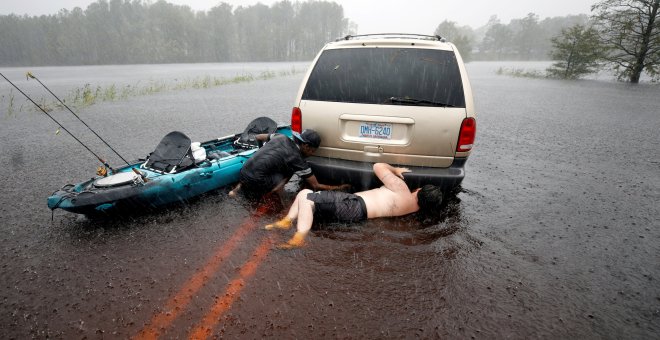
(397, 98)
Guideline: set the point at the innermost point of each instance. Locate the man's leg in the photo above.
(305, 214)
(286, 222)
(278, 191)
(279, 188)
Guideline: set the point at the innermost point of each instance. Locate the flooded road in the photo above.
(555, 233)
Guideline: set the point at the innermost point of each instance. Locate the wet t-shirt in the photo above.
(278, 159)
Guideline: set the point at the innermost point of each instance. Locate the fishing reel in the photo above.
(102, 171)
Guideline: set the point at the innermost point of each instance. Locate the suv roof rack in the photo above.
(394, 36)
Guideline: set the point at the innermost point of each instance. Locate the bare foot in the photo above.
(297, 241)
(283, 224)
(235, 191)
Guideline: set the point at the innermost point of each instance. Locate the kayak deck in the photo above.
(136, 186)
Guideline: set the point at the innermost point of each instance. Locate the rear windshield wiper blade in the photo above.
(415, 101)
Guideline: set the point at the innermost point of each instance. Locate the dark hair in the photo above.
(429, 197)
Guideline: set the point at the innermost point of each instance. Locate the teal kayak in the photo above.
(176, 171)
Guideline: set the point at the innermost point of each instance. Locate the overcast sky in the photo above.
(372, 16)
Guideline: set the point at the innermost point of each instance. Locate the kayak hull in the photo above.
(159, 189)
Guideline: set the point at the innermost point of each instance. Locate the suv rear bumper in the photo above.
(361, 176)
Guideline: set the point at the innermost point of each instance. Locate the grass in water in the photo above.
(10, 102)
(520, 73)
(89, 95)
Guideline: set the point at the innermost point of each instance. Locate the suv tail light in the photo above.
(296, 119)
(466, 136)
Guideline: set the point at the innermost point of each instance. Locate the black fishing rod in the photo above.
(58, 123)
(30, 75)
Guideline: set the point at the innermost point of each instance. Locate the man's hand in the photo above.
(235, 191)
(400, 171)
(314, 184)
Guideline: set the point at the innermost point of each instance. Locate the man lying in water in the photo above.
(392, 199)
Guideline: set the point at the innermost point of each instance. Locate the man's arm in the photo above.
(391, 177)
(262, 137)
(316, 186)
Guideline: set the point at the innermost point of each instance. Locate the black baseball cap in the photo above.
(308, 136)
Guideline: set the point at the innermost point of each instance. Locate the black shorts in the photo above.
(338, 206)
(259, 188)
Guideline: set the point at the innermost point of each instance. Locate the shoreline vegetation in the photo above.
(516, 72)
(88, 94)
(521, 73)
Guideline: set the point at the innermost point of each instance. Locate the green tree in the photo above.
(462, 37)
(317, 22)
(552, 27)
(220, 34)
(254, 32)
(577, 51)
(139, 31)
(631, 29)
(497, 41)
(281, 22)
(526, 36)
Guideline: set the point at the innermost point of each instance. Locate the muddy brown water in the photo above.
(555, 233)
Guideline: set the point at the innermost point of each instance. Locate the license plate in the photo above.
(376, 130)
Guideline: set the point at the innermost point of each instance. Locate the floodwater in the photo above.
(555, 233)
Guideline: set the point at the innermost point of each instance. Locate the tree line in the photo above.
(622, 35)
(525, 38)
(136, 31)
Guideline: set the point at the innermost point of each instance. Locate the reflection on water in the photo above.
(412, 230)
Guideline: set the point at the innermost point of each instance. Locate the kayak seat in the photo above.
(260, 125)
(172, 154)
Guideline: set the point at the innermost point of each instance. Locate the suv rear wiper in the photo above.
(414, 101)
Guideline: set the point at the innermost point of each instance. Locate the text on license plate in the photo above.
(376, 130)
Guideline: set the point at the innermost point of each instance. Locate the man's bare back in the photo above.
(393, 198)
(383, 202)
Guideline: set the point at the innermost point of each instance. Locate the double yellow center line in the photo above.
(177, 303)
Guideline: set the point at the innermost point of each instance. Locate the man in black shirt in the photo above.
(271, 167)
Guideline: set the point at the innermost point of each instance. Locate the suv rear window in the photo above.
(376, 75)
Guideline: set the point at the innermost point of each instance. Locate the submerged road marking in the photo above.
(178, 302)
(212, 318)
